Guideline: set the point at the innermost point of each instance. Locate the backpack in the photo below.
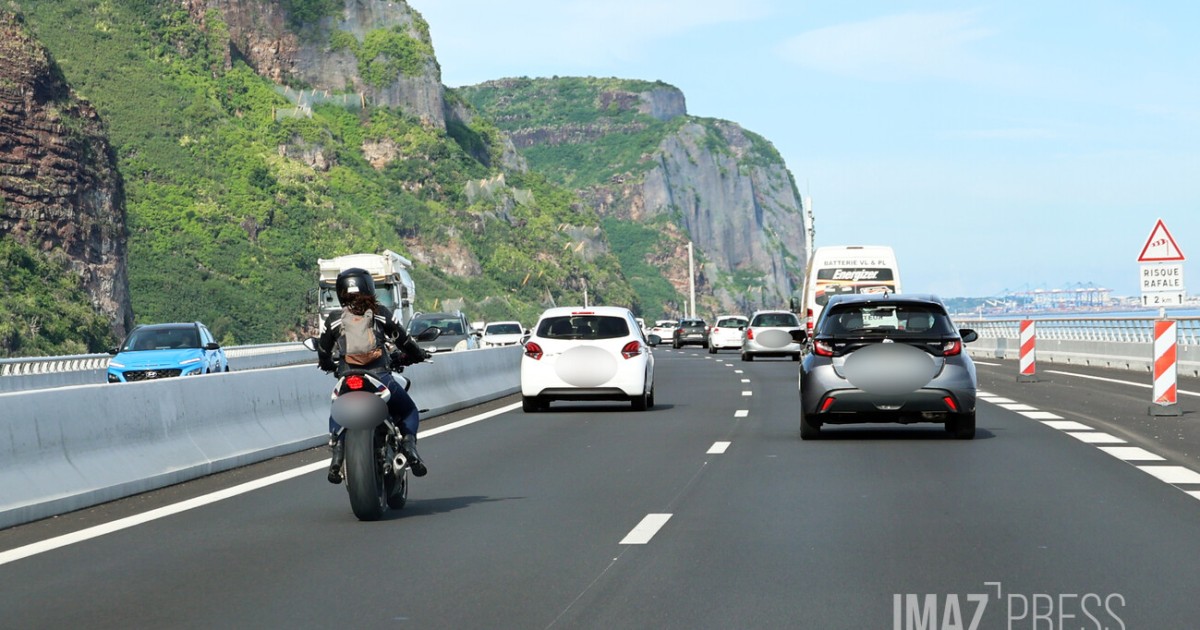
(359, 343)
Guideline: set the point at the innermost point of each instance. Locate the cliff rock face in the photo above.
(316, 55)
(59, 185)
(709, 181)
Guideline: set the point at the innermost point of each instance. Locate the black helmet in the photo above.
(354, 281)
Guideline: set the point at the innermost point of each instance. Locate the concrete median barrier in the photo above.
(68, 448)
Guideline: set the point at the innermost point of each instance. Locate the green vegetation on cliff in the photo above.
(586, 131)
(229, 208)
(46, 310)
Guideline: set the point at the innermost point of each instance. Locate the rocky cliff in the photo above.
(60, 190)
(378, 48)
(632, 152)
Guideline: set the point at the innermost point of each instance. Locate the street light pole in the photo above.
(692, 280)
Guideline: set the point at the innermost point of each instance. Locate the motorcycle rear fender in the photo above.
(359, 410)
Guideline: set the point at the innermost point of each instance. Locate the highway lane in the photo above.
(520, 523)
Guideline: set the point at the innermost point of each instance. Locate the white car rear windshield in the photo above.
(583, 327)
(775, 319)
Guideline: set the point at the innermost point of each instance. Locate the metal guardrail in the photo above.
(28, 373)
(1103, 329)
(1115, 342)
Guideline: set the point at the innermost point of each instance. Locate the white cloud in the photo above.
(896, 47)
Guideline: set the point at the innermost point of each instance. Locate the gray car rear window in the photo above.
(775, 319)
(913, 319)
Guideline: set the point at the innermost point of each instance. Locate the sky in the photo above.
(998, 147)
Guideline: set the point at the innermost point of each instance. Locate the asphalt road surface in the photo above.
(707, 511)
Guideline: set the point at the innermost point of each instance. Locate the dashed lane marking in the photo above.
(1017, 407)
(1131, 453)
(1040, 415)
(718, 448)
(1095, 437)
(1175, 475)
(1068, 425)
(645, 530)
(741, 413)
(1172, 474)
(747, 393)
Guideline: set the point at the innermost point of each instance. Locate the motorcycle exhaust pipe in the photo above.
(399, 462)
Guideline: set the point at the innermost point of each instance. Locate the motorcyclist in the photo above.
(356, 292)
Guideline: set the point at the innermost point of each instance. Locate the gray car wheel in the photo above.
(809, 429)
(962, 426)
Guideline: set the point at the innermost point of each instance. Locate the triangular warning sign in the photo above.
(1160, 247)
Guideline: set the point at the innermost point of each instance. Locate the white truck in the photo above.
(394, 287)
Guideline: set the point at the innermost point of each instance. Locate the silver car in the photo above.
(887, 358)
(770, 335)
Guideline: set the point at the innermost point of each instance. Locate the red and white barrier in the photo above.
(1028, 352)
(1165, 383)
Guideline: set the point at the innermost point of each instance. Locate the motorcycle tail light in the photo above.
(354, 382)
(951, 348)
(823, 348)
(631, 349)
(533, 351)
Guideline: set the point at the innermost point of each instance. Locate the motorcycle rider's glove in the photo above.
(325, 362)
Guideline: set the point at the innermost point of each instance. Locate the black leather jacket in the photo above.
(387, 324)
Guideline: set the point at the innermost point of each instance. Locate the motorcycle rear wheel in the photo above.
(368, 495)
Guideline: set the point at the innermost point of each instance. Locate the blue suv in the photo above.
(165, 350)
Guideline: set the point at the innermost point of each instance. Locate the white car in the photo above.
(587, 353)
(770, 335)
(726, 333)
(664, 328)
(496, 334)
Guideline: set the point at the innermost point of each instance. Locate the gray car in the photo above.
(456, 333)
(887, 358)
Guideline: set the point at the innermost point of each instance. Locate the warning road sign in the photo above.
(1160, 247)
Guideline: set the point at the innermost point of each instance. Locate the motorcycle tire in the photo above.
(364, 482)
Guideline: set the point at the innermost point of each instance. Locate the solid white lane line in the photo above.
(747, 393)
(1018, 407)
(646, 529)
(1131, 453)
(718, 448)
(1068, 425)
(1172, 474)
(465, 421)
(1195, 493)
(998, 400)
(1114, 380)
(1041, 415)
(162, 512)
(741, 413)
(200, 501)
(984, 363)
(1097, 437)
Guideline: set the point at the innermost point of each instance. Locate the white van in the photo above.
(841, 269)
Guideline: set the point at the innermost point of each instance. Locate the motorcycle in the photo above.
(375, 468)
